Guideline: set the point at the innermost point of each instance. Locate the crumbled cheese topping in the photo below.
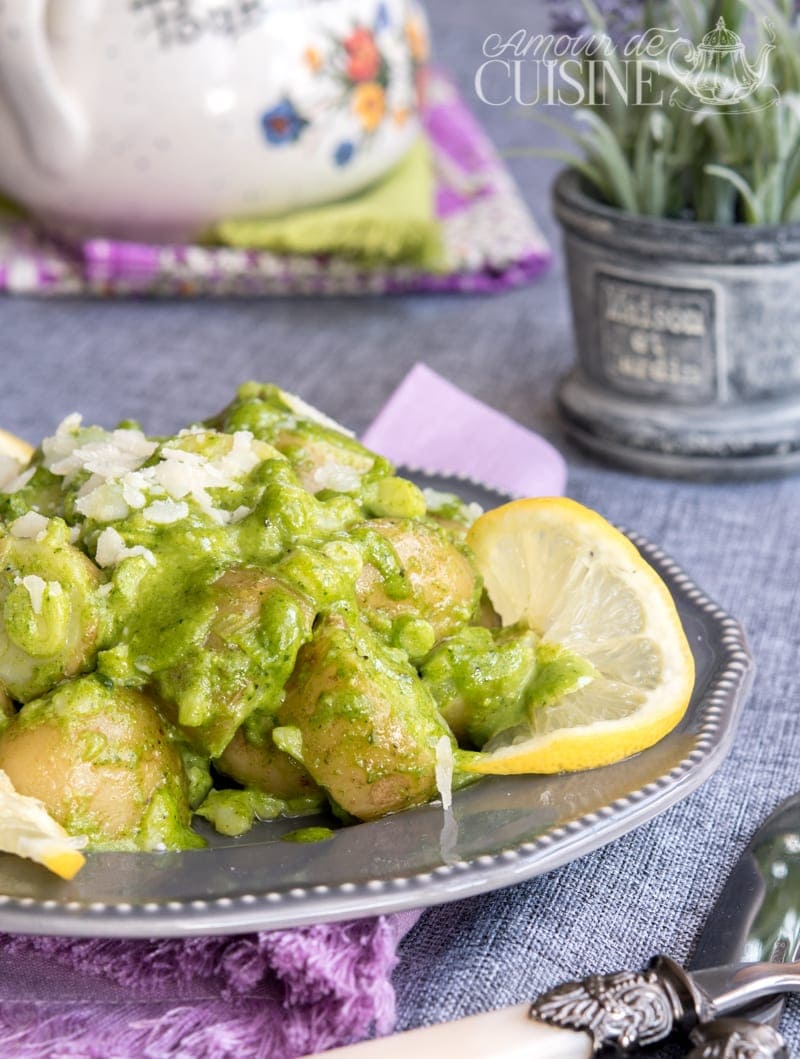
(163, 512)
(119, 482)
(108, 455)
(36, 587)
(436, 501)
(337, 476)
(102, 502)
(239, 514)
(111, 549)
(304, 410)
(31, 526)
(444, 771)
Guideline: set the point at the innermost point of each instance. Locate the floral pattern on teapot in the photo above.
(358, 76)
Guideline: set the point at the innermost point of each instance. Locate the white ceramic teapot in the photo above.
(150, 119)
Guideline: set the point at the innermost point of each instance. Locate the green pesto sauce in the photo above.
(217, 618)
(121, 741)
(486, 681)
(378, 552)
(309, 834)
(234, 812)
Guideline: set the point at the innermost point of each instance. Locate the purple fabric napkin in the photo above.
(491, 241)
(431, 425)
(269, 995)
(257, 996)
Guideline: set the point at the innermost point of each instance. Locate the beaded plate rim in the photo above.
(64, 909)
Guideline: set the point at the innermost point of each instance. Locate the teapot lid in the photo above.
(720, 38)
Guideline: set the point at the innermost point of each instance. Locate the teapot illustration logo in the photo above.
(717, 73)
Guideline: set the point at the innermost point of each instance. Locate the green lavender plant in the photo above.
(714, 163)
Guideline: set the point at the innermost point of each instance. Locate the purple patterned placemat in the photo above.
(491, 242)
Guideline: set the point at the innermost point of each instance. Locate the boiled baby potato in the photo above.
(258, 623)
(260, 765)
(323, 459)
(361, 721)
(414, 569)
(323, 454)
(100, 760)
(49, 608)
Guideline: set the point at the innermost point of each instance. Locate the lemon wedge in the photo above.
(583, 587)
(15, 454)
(15, 448)
(28, 830)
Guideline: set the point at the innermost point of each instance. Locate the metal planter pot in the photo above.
(688, 341)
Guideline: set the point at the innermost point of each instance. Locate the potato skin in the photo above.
(441, 583)
(369, 727)
(102, 763)
(264, 767)
(311, 449)
(259, 621)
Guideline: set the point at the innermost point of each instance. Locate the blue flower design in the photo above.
(344, 152)
(282, 124)
(382, 19)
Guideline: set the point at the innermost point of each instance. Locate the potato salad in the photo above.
(253, 617)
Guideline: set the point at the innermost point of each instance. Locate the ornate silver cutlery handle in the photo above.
(630, 1009)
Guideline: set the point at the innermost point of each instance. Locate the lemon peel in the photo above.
(28, 830)
(17, 448)
(582, 585)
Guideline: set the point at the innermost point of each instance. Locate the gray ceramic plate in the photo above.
(504, 829)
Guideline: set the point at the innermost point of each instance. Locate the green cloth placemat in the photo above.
(393, 221)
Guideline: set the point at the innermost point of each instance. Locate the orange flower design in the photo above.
(312, 59)
(363, 57)
(417, 40)
(401, 116)
(421, 86)
(369, 103)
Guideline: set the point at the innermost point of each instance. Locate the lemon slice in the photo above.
(15, 454)
(28, 830)
(580, 584)
(16, 448)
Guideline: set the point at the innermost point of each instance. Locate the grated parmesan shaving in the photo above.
(164, 512)
(119, 481)
(105, 503)
(134, 484)
(36, 587)
(436, 501)
(337, 476)
(444, 771)
(110, 455)
(304, 410)
(111, 549)
(239, 514)
(31, 526)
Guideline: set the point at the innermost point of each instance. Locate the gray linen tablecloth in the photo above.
(167, 362)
